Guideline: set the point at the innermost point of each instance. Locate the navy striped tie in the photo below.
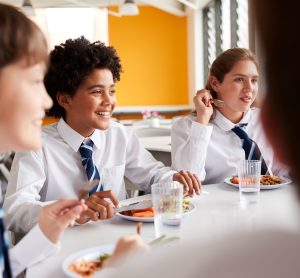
(86, 152)
(4, 258)
(251, 149)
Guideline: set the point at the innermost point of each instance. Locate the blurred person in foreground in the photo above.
(273, 253)
(23, 100)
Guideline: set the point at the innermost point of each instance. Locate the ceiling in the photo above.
(175, 7)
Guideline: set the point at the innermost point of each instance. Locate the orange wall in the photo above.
(153, 51)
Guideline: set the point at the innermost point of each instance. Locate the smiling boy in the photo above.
(81, 82)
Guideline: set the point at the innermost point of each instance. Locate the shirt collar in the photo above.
(95, 137)
(226, 125)
(73, 138)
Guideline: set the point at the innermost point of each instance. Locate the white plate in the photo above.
(89, 254)
(132, 200)
(191, 209)
(137, 219)
(284, 180)
(145, 219)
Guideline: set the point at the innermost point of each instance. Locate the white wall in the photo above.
(195, 51)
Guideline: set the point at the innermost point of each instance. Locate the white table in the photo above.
(160, 148)
(157, 143)
(145, 123)
(216, 213)
(159, 108)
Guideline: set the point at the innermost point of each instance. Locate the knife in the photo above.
(136, 205)
(83, 191)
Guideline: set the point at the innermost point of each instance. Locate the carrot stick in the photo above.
(143, 214)
(139, 227)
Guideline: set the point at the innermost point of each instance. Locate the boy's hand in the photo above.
(98, 207)
(190, 182)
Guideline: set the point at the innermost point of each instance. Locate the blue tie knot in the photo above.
(241, 132)
(86, 149)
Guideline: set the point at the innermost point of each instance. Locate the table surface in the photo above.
(216, 213)
(146, 123)
(158, 108)
(157, 143)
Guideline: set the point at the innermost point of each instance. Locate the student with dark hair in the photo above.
(23, 100)
(224, 128)
(85, 144)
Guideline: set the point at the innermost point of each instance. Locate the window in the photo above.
(225, 25)
(60, 24)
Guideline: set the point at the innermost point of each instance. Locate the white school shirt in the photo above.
(33, 248)
(56, 171)
(213, 151)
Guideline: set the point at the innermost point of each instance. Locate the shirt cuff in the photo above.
(33, 248)
(200, 131)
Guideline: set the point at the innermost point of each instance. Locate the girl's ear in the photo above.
(63, 99)
(214, 83)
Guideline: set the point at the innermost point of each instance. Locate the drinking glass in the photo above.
(167, 201)
(249, 181)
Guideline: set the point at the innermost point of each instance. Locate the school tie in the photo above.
(86, 152)
(4, 258)
(251, 149)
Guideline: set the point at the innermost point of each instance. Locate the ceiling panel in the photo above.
(170, 6)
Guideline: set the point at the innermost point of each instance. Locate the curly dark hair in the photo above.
(71, 62)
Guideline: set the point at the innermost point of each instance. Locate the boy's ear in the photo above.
(63, 99)
(214, 83)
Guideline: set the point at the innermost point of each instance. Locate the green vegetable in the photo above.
(104, 257)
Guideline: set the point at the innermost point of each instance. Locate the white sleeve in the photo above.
(141, 167)
(33, 248)
(189, 146)
(22, 201)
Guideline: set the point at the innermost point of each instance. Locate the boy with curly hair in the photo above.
(81, 82)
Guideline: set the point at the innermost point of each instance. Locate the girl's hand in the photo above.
(56, 217)
(126, 247)
(203, 106)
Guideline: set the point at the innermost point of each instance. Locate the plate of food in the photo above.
(88, 262)
(147, 215)
(266, 181)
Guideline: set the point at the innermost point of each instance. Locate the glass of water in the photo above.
(167, 201)
(249, 181)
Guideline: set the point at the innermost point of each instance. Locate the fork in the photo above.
(156, 240)
(162, 240)
(218, 103)
(269, 171)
